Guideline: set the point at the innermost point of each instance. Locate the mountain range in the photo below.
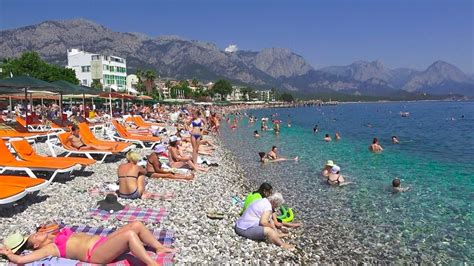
(176, 57)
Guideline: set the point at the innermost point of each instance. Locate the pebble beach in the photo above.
(197, 238)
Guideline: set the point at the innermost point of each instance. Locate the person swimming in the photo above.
(337, 136)
(395, 140)
(397, 186)
(315, 129)
(335, 178)
(255, 134)
(327, 168)
(327, 138)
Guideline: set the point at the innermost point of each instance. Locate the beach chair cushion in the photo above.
(20, 181)
(7, 191)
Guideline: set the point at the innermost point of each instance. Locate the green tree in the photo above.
(96, 84)
(223, 87)
(195, 82)
(31, 64)
(150, 76)
(286, 97)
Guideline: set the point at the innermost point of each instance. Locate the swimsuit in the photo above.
(330, 182)
(196, 124)
(134, 195)
(60, 240)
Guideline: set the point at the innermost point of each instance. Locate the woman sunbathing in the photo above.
(179, 161)
(89, 248)
(155, 170)
(132, 178)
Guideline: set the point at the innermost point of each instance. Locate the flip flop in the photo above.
(215, 215)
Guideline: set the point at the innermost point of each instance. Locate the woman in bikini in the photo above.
(335, 178)
(154, 168)
(89, 248)
(179, 161)
(132, 178)
(196, 132)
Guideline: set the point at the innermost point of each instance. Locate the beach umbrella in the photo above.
(24, 84)
(76, 90)
(143, 98)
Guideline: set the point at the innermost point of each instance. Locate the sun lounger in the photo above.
(27, 183)
(37, 126)
(88, 137)
(139, 121)
(62, 144)
(126, 136)
(10, 194)
(25, 152)
(9, 162)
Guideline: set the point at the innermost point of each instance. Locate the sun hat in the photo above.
(15, 241)
(330, 163)
(110, 203)
(160, 148)
(335, 169)
(173, 138)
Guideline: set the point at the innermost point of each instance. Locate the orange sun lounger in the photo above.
(126, 136)
(9, 162)
(11, 193)
(25, 152)
(88, 137)
(27, 183)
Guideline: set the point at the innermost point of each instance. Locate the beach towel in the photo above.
(130, 214)
(166, 237)
(108, 189)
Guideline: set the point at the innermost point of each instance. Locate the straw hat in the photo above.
(330, 163)
(15, 241)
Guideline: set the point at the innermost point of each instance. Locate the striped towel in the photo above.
(130, 214)
(97, 191)
(166, 259)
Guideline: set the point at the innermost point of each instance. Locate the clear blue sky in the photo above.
(400, 33)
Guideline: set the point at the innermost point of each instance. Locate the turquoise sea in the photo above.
(366, 222)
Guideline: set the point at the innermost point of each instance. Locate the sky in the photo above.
(400, 33)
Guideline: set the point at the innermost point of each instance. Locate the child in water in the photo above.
(397, 186)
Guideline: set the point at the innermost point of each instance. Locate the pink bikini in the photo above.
(60, 240)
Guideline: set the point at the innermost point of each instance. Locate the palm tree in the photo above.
(195, 82)
(150, 77)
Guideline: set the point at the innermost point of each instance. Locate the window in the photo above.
(84, 82)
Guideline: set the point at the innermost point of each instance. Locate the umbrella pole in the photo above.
(84, 103)
(110, 101)
(10, 108)
(26, 108)
(61, 106)
(123, 107)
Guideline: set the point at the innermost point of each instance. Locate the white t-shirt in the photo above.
(253, 213)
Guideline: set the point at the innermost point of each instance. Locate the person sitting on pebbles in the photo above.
(179, 161)
(256, 222)
(132, 178)
(155, 170)
(93, 249)
(272, 156)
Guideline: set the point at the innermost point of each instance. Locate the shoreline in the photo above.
(197, 238)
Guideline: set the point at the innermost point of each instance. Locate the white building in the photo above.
(131, 82)
(266, 95)
(110, 70)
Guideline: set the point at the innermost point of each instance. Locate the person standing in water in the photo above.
(315, 129)
(395, 140)
(375, 146)
(337, 136)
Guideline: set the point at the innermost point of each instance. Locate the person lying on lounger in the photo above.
(154, 168)
(84, 247)
(75, 140)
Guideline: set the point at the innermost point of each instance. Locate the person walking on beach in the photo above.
(375, 146)
(256, 221)
(197, 124)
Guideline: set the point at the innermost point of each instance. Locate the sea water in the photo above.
(364, 221)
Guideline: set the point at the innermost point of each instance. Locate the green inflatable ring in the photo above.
(286, 214)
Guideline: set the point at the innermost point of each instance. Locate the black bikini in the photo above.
(330, 182)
